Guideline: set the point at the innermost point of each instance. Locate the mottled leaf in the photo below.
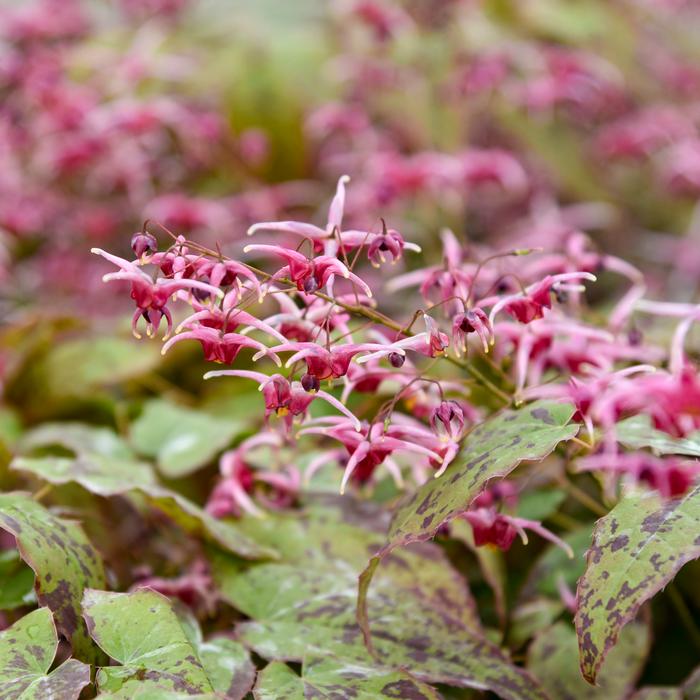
(637, 432)
(27, 650)
(109, 477)
(331, 678)
(552, 659)
(637, 549)
(63, 561)
(226, 662)
(16, 581)
(492, 450)
(304, 606)
(141, 631)
(181, 439)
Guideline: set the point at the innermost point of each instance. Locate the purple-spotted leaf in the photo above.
(553, 655)
(637, 549)
(64, 563)
(304, 606)
(141, 631)
(331, 678)
(492, 450)
(108, 476)
(27, 650)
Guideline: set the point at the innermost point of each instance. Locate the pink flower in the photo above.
(471, 321)
(285, 399)
(219, 346)
(151, 296)
(491, 527)
(370, 447)
(447, 421)
(323, 363)
(309, 275)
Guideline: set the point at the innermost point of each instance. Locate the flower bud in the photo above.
(396, 359)
(310, 383)
(143, 243)
(447, 420)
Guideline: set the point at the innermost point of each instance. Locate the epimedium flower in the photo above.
(500, 530)
(323, 363)
(471, 321)
(371, 446)
(530, 305)
(309, 274)
(151, 295)
(284, 398)
(219, 346)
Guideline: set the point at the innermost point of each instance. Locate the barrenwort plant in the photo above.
(412, 403)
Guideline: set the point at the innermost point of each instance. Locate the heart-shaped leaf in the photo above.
(141, 631)
(63, 559)
(637, 549)
(27, 650)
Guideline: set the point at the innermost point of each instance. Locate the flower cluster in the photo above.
(511, 326)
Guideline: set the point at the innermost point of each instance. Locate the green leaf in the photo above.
(539, 504)
(637, 549)
(63, 559)
(303, 607)
(77, 367)
(16, 581)
(229, 668)
(492, 450)
(326, 678)
(552, 659)
(638, 432)
(27, 650)
(80, 438)
(181, 439)
(141, 631)
(109, 477)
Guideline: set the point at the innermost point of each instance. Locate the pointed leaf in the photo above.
(109, 477)
(181, 439)
(552, 659)
(79, 438)
(141, 631)
(637, 549)
(63, 559)
(27, 650)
